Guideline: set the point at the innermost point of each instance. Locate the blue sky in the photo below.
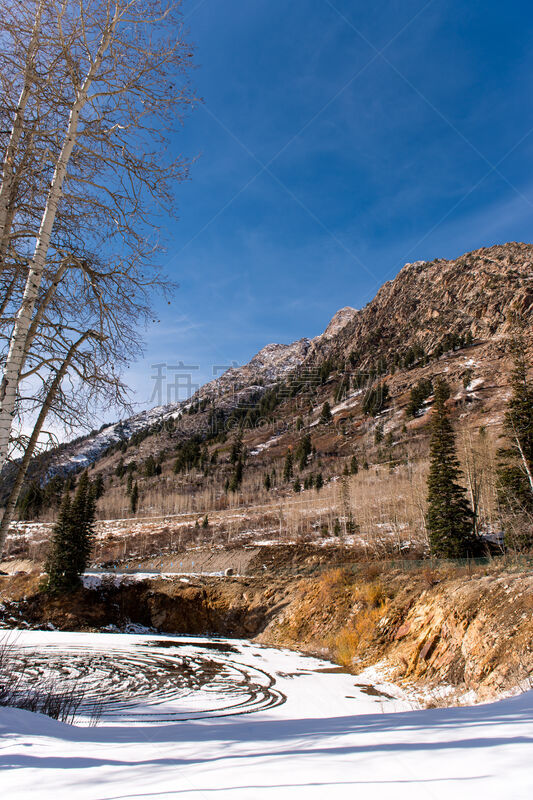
(336, 141)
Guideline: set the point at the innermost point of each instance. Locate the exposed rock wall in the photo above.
(427, 300)
(473, 632)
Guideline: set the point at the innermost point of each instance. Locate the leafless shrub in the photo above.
(47, 696)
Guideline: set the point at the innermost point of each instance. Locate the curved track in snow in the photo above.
(155, 680)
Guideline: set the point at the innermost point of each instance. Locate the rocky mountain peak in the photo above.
(338, 322)
(430, 300)
(275, 359)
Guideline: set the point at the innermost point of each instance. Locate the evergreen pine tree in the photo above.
(59, 566)
(304, 451)
(419, 393)
(149, 467)
(236, 448)
(287, 470)
(134, 498)
(319, 482)
(72, 538)
(99, 486)
(83, 512)
(236, 478)
(325, 414)
(297, 486)
(375, 400)
(31, 502)
(449, 518)
(53, 492)
(354, 466)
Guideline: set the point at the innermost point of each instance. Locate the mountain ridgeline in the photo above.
(437, 317)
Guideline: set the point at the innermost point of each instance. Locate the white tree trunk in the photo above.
(525, 463)
(9, 171)
(19, 337)
(30, 448)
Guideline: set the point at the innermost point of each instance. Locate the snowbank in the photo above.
(329, 739)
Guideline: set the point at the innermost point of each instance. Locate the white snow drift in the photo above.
(323, 735)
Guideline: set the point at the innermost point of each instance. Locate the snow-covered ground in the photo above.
(94, 579)
(295, 729)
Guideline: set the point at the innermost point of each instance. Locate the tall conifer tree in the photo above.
(134, 498)
(288, 469)
(449, 518)
(515, 473)
(325, 414)
(72, 538)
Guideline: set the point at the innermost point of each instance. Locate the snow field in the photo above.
(324, 737)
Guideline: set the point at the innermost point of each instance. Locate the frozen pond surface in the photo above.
(200, 718)
(132, 679)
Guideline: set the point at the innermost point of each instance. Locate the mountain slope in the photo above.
(428, 312)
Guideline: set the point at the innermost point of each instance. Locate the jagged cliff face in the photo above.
(341, 319)
(429, 299)
(275, 361)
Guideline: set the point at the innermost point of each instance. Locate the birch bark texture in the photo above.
(17, 352)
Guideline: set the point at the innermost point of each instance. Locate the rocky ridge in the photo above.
(473, 293)
(427, 301)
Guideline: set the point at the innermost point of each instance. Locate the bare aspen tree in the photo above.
(12, 165)
(475, 475)
(88, 92)
(31, 445)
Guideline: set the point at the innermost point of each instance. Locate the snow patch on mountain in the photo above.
(272, 363)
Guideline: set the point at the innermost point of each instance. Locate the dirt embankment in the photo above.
(196, 605)
(472, 629)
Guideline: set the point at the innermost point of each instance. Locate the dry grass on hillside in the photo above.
(379, 513)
